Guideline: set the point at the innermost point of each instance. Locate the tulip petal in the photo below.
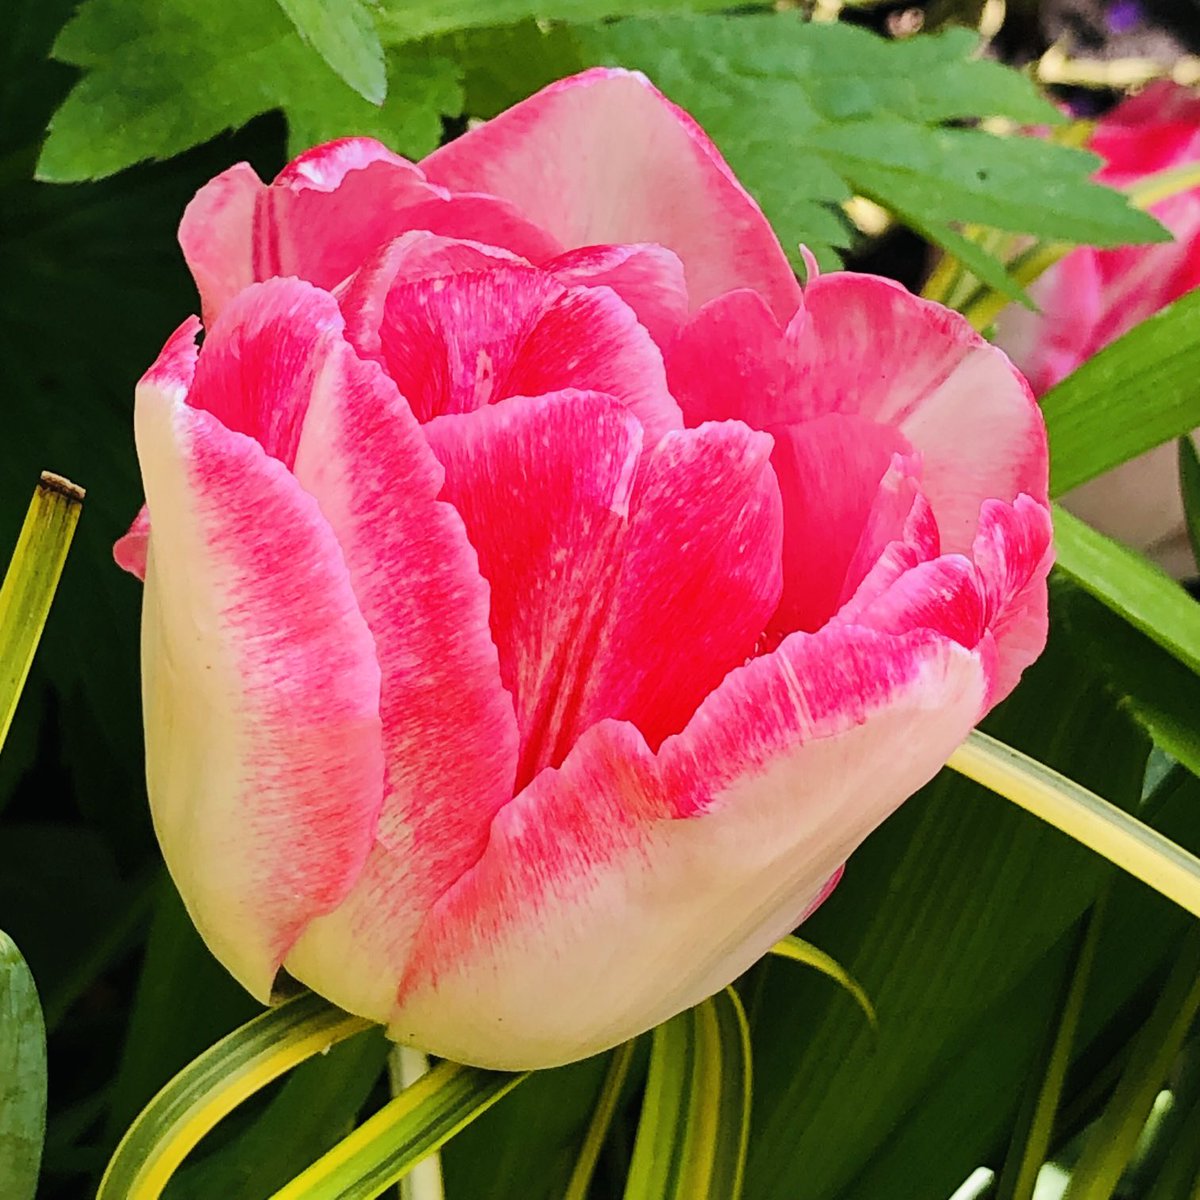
(875, 349)
(604, 157)
(838, 513)
(457, 342)
(260, 685)
(623, 888)
(620, 588)
(325, 213)
(863, 346)
(648, 278)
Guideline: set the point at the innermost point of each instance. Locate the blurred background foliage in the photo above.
(970, 925)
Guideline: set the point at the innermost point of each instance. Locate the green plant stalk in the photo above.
(209, 1088)
(1082, 815)
(30, 583)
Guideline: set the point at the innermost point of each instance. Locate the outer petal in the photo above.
(325, 213)
(603, 157)
(657, 881)
(458, 342)
(260, 685)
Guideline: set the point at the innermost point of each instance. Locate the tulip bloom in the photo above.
(544, 596)
(1092, 297)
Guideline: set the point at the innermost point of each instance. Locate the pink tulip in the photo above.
(536, 621)
(1094, 296)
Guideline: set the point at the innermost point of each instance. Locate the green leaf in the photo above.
(1189, 485)
(417, 1122)
(798, 950)
(606, 1106)
(695, 1123)
(1136, 393)
(1082, 815)
(411, 20)
(183, 1002)
(22, 1076)
(343, 33)
(164, 75)
(525, 1146)
(1111, 1142)
(315, 1108)
(1158, 691)
(30, 583)
(858, 113)
(209, 1088)
(1146, 597)
(1034, 1131)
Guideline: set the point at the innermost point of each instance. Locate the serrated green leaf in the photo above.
(1149, 599)
(343, 33)
(695, 1123)
(417, 1122)
(164, 75)
(22, 1076)
(856, 112)
(412, 20)
(1134, 394)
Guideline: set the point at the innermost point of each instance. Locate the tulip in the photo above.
(543, 595)
(1092, 297)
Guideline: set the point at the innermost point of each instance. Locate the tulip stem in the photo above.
(1090, 820)
(424, 1182)
(210, 1087)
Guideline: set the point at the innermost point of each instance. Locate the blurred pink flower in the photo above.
(544, 596)
(1093, 296)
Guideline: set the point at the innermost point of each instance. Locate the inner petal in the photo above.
(848, 487)
(625, 583)
(456, 343)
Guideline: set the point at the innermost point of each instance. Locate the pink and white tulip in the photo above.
(1093, 296)
(544, 597)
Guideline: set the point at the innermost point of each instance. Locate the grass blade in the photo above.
(216, 1083)
(1084, 816)
(606, 1107)
(798, 950)
(29, 585)
(695, 1123)
(381, 1151)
